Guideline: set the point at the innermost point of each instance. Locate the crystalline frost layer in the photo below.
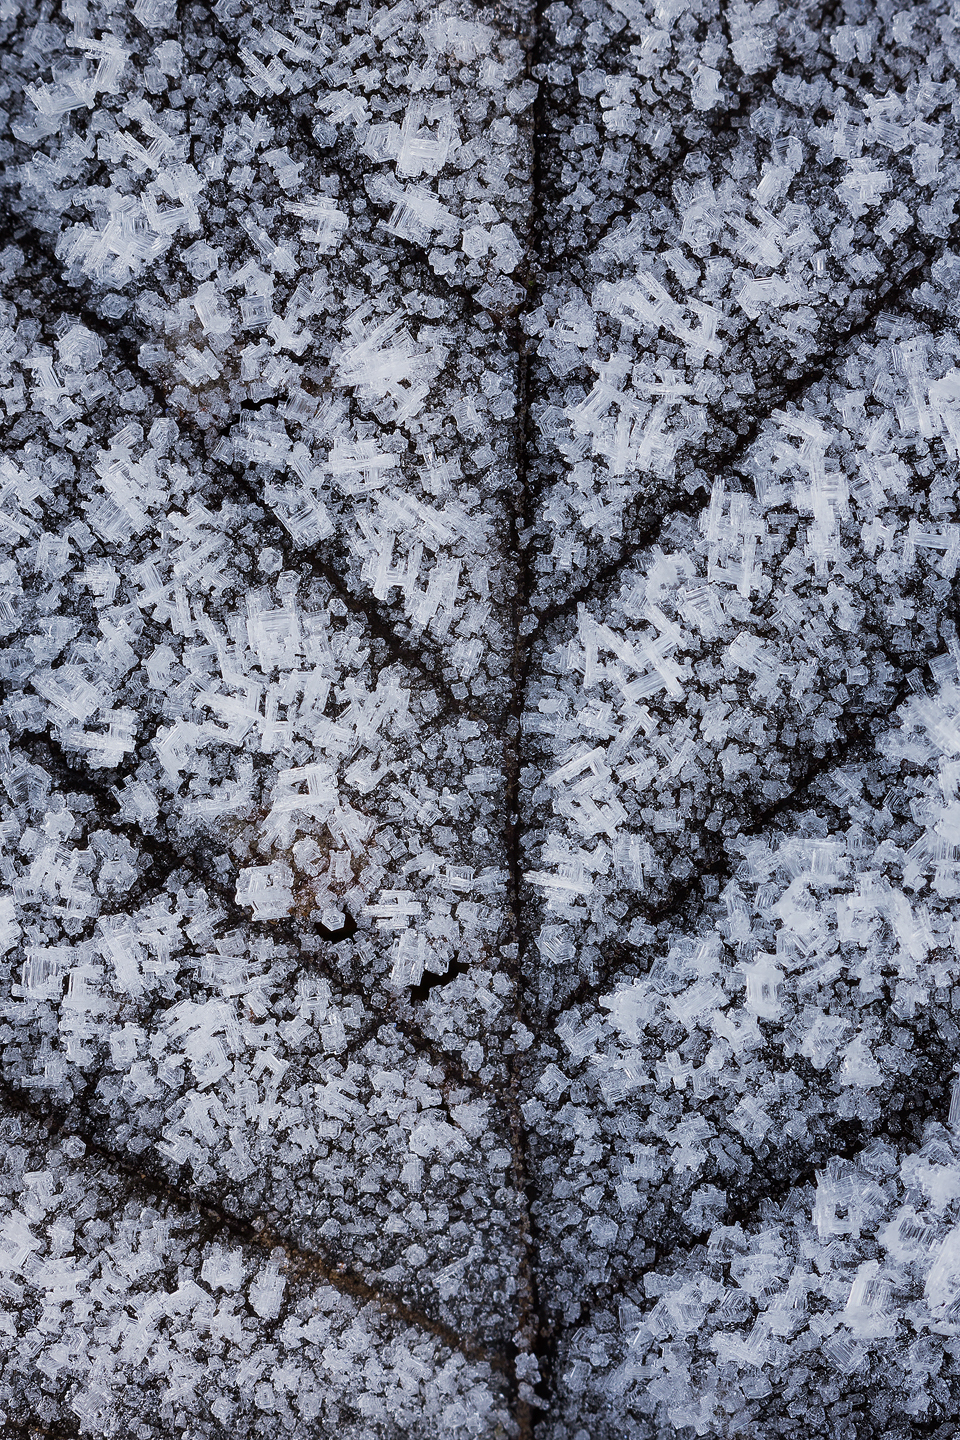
(480, 720)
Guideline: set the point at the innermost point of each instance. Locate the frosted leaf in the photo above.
(479, 779)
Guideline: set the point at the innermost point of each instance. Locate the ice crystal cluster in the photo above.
(480, 720)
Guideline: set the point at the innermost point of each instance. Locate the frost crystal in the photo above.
(480, 736)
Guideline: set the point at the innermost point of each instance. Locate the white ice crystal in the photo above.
(480, 751)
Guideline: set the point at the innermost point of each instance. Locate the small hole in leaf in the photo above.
(344, 932)
(420, 992)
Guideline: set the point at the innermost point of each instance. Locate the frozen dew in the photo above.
(480, 737)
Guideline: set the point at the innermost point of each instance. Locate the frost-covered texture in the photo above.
(742, 187)
(304, 237)
(692, 691)
(811, 1001)
(480, 720)
(844, 1292)
(145, 1321)
(257, 475)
